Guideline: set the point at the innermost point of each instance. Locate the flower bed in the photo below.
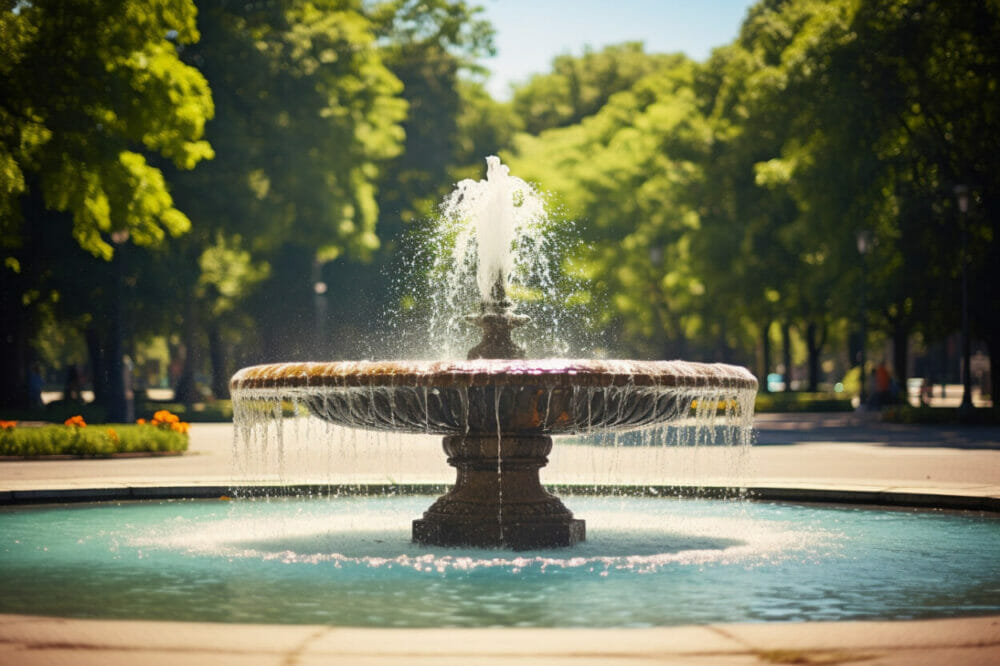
(163, 433)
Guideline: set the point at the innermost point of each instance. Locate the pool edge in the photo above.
(987, 499)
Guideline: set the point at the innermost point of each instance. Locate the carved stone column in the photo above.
(497, 500)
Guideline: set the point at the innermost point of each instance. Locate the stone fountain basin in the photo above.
(533, 397)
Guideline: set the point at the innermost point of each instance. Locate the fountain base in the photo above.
(497, 500)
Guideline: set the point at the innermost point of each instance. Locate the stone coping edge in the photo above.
(40, 639)
(874, 497)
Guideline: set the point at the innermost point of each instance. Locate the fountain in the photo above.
(334, 554)
(496, 410)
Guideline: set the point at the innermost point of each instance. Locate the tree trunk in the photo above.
(815, 340)
(99, 377)
(900, 357)
(217, 355)
(116, 402)
(765, 357)
(18, 322)
(14, 351)
(993, 346)
(786, 354)
(186, 390)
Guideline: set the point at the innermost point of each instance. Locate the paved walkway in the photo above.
(830, 453)
(802, 451)
(26, 641)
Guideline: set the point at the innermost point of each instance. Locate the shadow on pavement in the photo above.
(789, 429)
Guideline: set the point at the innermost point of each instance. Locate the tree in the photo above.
(788, 262)
(897, 107)
(307, 112)
(88, 92)
(578, 87)
(626, 174)
(432, 47)
(934, 88)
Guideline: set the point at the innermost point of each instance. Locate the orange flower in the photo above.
(113, 435)
(180, 426)
(141, 421)
(164, 416)
(7, 425)
(76, 421)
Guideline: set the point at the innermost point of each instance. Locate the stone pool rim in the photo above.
(881, 497)
(541, 373)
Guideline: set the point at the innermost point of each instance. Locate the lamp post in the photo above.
(118, 400)
(864, 239)
(962, 199)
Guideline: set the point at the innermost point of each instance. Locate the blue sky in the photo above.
(532, 32)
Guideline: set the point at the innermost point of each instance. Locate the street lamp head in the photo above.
(962, 197)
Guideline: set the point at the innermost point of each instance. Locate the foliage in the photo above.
(89, 441)
(578, 87)
(216, 411)
(719, 203)
(307, 112)
(729, 199)
(802, 402)
(764, 256)
(76, 126)
(451, 125)
(93, 96)
(626, 174)
(452, 25)
(884, 107)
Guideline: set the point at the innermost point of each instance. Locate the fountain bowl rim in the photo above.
(543, 373)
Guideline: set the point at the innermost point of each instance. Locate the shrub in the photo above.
(217, 411)
(795, 401)
(75, 437)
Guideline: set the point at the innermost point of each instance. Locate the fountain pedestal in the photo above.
(497, 500)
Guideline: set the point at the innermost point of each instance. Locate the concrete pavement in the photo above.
(27, 640)
(792, 451)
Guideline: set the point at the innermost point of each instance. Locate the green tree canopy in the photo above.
(88, 89)
(578, 86)
(625, 174)
(91, 95)
(307, 115)
(432, 47)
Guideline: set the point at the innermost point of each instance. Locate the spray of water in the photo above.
(497, 228)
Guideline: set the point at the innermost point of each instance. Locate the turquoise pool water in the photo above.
(348, 561)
